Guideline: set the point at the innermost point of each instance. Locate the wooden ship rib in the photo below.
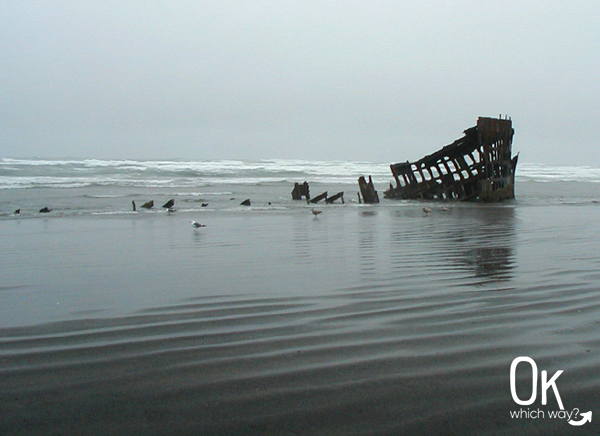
(477, 167)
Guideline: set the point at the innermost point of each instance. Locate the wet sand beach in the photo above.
(364, 320)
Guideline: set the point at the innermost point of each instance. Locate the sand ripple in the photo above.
(359, 362)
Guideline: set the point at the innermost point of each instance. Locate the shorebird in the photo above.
(426, 210)
(196, 224)
(316, 212)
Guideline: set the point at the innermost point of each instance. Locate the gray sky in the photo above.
(375, 80)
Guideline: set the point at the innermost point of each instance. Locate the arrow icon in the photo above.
(585, 417)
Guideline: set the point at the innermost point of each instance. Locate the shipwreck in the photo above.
(477, 167)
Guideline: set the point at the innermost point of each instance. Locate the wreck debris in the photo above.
(367, 189)
(476, 167)
(300, 190)
(148, 204)
(339, 195)
(246, 202)
(319, 198)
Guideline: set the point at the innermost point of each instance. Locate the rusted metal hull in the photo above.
(477, 167)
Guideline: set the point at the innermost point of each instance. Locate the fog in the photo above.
(380, 81)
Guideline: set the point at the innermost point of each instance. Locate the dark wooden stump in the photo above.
(368, 191)
(300, 190)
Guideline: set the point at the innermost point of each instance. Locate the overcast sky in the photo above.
(383, 81)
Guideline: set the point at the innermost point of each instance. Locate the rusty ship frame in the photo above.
(477, 167)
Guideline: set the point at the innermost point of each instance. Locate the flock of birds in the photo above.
(170, 207)
(428, 210)
(42, 210)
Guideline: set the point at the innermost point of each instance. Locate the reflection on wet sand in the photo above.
(473, 241)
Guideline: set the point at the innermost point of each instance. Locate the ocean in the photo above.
(368, 319)
(92, 186)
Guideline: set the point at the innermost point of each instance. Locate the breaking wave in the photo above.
(547, 173)
(21, 173)
(38, 173)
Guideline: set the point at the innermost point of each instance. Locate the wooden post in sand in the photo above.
(300, 190)
(367, 189)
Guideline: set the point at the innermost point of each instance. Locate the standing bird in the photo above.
(316, 212)
(196, 224)
(426, 210)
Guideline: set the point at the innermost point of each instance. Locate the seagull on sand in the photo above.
(316, 212)
(196, 224)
